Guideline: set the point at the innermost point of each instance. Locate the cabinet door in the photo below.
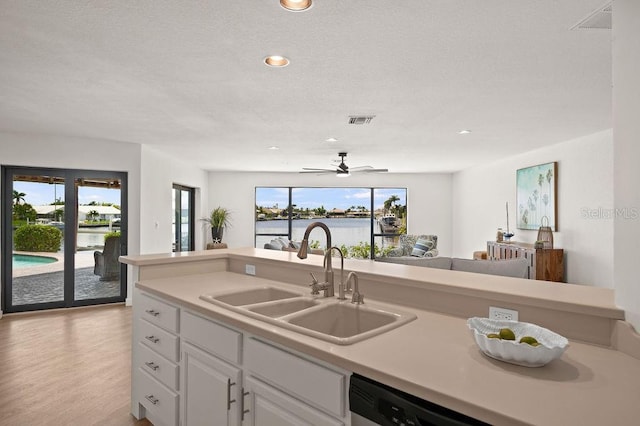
(267, 406)
(211, 389)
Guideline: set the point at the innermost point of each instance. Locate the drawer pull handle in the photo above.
(152, 312)
(152, 399)
(242, 410)
(229, 400)
(152, 365)
(152, 339)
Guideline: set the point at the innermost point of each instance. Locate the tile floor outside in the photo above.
(44, 283)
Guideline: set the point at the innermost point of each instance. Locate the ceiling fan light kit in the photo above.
(296, 5)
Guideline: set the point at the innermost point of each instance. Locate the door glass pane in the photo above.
(97, 242)
(185, 220)
(183, 227)
(37, 239)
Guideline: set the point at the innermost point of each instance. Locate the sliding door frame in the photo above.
(70, 217)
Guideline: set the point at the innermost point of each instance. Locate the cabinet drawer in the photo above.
(159, 401)
(158, 366)
(314, 383)
(211, 336)
(158, 312)
(269, 406)
(161, 341)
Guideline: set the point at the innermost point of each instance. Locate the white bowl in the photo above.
(552, 345)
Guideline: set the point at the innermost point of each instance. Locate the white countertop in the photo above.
(436, 358)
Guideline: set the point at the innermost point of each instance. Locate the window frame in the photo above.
(290, 206)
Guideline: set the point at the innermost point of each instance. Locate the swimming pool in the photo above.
(26, 261)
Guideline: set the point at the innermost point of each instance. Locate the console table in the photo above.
(544, 264)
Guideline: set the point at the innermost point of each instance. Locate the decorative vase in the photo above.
(216, 234)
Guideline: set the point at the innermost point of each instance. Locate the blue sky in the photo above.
(340, 198)
(39, 194)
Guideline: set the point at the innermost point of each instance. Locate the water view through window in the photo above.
(356, 216)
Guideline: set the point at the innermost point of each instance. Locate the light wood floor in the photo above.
(66, 367)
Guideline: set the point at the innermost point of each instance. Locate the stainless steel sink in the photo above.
(251, 296)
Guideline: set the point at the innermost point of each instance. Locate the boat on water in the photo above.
(389, 224)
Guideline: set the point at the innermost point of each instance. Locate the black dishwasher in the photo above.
(374, 403)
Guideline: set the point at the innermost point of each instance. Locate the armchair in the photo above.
(106, 261)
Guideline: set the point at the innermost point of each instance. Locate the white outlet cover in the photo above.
(497, 313)
(250, 269)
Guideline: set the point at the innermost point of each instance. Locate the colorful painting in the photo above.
(536, 189)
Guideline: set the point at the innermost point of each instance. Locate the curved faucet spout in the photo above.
(328, 285)
(304, 246)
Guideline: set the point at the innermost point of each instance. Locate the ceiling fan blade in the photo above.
(360, 168)
(311, 169)
(317, 171)
(372, 170)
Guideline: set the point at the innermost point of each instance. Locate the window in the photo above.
(285, 212)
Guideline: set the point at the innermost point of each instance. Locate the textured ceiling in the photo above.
(187, 77)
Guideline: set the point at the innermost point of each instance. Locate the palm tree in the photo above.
(93, 214)
(18, 196)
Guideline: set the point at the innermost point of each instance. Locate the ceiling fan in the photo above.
(342, 169)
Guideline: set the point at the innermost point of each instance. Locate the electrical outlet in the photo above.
(250, 269)
(502, 314)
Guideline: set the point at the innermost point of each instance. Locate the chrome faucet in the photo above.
(328, 285)
(357, 298)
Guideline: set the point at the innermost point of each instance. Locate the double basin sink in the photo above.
(329, 319)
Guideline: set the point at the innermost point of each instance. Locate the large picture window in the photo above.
(363, 221)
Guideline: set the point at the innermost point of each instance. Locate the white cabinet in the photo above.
(189, 370)
(267, 406)
(285, 388)
(211, 389)
(155, 356)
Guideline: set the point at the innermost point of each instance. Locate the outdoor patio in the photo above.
(41, 284)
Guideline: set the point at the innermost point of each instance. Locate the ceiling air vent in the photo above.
(360, 119)
(599, 19)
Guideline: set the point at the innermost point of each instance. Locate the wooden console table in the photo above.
(544, 264)
(213, 246)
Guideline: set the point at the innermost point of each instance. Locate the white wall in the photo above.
(158, 174)
(626, 106)
(428, 199)
(77, 153)
(585, 199)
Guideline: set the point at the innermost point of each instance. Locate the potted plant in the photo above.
(217, 220)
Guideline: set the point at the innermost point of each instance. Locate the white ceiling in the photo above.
(187, 77)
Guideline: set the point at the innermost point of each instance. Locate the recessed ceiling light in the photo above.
(331, 140)
(274, 148)
(464, 132)
(296, 5)
(276, 61)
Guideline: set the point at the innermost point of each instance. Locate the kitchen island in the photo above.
(433, 357)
